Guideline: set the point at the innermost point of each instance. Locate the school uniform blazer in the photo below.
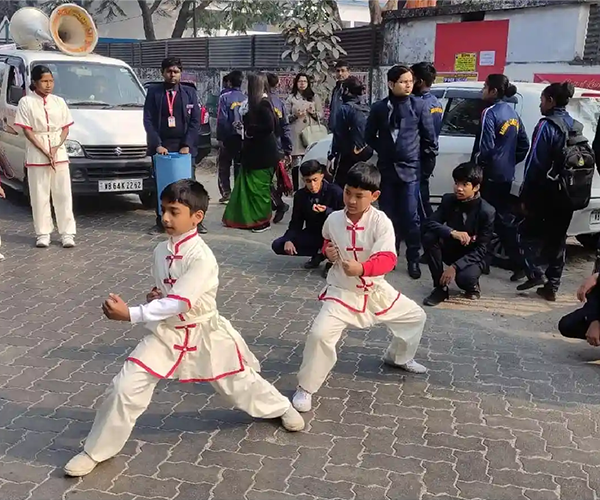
(155, 100)
(478, 223)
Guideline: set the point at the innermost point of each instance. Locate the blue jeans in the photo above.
(400, 201)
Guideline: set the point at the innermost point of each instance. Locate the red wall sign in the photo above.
(579, 80)
(471, 47)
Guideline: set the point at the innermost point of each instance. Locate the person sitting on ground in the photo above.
(312, 205)
(458, 234)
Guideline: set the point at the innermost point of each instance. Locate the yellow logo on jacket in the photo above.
(278, 113)
(513, 122)
(437, 110)
(235, 104)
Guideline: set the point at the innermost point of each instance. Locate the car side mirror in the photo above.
(15, 94)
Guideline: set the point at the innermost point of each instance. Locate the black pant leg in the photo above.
(427, 168)
(575, 324)
(530, 239)
(389, 203)
(224, 161)
(556, 246)
(432, 246)
(467, 279)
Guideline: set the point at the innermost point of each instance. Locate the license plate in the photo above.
(595, 216)
(120, 185)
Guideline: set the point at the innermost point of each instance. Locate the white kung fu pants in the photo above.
(131, 391)
(46, 183)
(405, 320)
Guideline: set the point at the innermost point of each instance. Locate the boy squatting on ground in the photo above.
(189, 341)
(360, 241)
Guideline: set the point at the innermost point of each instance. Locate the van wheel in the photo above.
(589, 241)
(499, 257)
(148, 199)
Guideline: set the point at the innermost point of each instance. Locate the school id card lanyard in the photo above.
(171, 94)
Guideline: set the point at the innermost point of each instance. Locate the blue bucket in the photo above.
(170, 168)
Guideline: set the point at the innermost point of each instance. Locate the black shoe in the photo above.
(155, 230)
(202, 229)
(437, 296)
(473, 295)
(414, 271)
(530, 283)
(225, 198)
(547, 293)
(326, 270)
(280, 213)
(517, 275)
(314, 262)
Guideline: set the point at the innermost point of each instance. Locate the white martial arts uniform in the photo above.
(189, 342)
(360, 302)
(47, 117)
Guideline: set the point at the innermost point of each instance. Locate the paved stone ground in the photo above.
(508, 410)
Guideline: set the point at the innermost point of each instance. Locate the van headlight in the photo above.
(74, 148)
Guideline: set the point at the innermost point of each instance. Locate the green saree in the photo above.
(249, 206)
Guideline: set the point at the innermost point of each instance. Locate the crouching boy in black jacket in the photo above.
(458, 234)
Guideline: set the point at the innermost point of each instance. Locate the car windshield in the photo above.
(92, 84)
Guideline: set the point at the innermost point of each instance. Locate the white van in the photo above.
(462, 118)
(107, 142)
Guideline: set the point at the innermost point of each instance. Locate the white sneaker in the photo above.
(80, 465)
(413, 367)
(68, 241)
(292, 420)
(302, 400)
(1, 257)
(43, 241)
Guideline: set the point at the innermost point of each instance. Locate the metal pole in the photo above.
(194, 18)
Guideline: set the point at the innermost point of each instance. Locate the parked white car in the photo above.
(462, 113)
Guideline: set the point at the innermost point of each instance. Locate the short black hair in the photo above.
(354, 86)
(311, 167)
(395, 72)
(424, 71)
(188, 192)
(37, 73)
(226, 79)
(342, 63)
(365, 176)
(169, 62)
(468, 172)
(273, 80)
(236, 77)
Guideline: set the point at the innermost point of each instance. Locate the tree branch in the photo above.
(185, 14)
(155, 6)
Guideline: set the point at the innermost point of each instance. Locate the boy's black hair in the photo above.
(395, 72)
(188, 192)
(273, 80)
(342, 64)
(169, 62)
(364, 176)
(311, 167)
(424, 71)
(236, 77)
(468, 172)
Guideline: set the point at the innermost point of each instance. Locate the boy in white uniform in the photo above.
(360, 242)
(190, 341)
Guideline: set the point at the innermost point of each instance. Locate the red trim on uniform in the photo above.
(380, 263)
(390, 306)
(183, 299)
(187, 238)
(68, 125)
(324, 247)
(223, 375)
(45, 164)
(169, 281)
(142, 365)
(324, 298)
(23, 126)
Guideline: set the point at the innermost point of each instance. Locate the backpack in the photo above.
(573, 169)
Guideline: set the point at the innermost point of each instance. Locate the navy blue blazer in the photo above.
(155, 100)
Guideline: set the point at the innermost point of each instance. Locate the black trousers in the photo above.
(542, 236)
(447, 251)
(307, 243)
(498, 195)
(575, 325)
(230, 152)
(426, 173)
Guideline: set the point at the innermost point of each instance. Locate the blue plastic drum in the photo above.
(170, 168)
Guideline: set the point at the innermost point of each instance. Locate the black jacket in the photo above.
(475, 217)
(349, 131)
(260, 148)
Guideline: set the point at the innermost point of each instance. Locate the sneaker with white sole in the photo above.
(80, 465)
(292, 420)
(413, 367)
(43, 241)
(302, 400)
(68, 241)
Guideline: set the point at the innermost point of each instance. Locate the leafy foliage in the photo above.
(309, 32)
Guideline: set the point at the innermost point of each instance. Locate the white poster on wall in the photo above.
(487, 58)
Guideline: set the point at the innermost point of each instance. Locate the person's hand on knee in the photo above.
(593, 334)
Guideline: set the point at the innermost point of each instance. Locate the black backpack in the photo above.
(573, 169)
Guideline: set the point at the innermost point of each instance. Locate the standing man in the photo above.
(424, 75)
(171, 120)
(229, 132)
(400, 128)
(284, 142)
(342, 71)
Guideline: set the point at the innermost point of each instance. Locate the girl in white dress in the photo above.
(45, 120)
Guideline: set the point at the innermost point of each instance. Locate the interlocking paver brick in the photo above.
(506, 411)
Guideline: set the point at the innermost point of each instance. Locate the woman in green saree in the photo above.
(250, 204)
